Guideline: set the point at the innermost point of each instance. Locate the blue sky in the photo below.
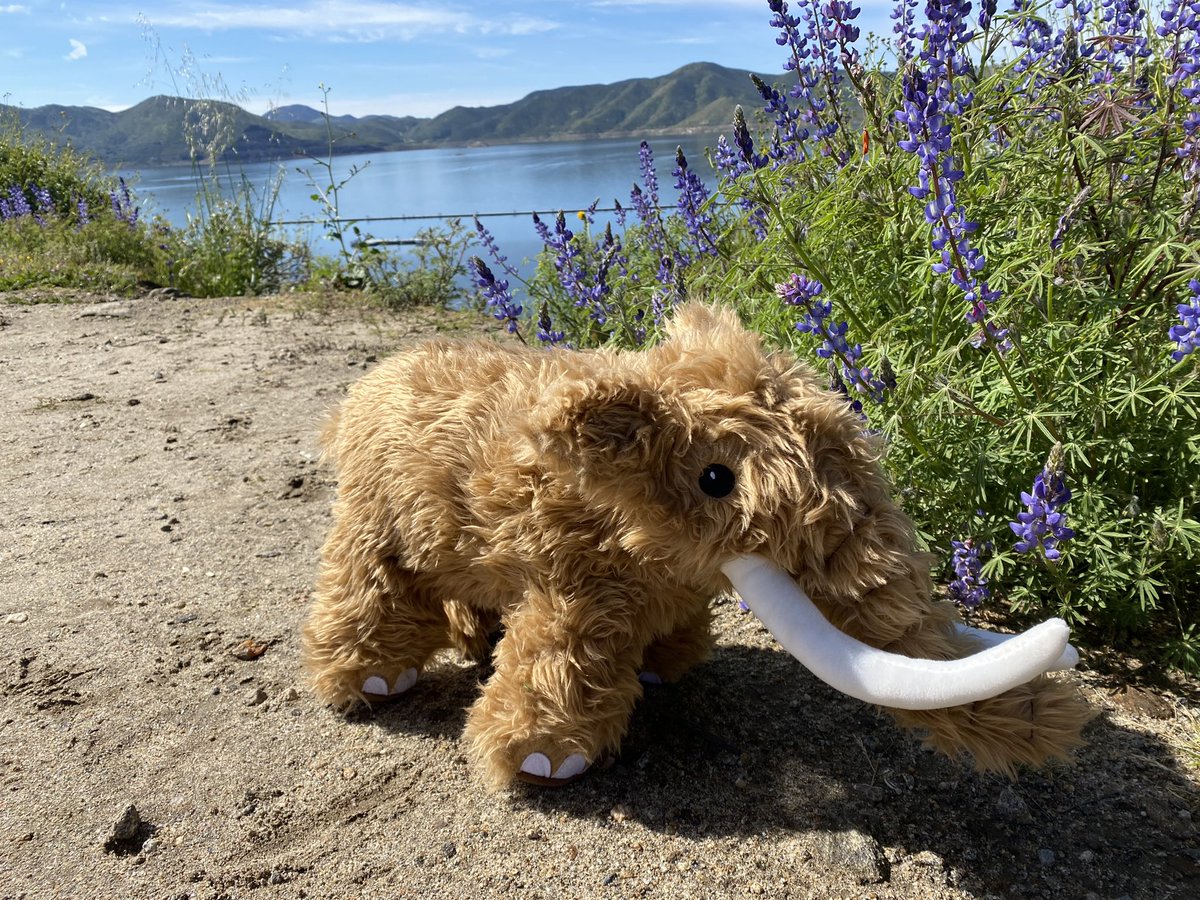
(410, 57)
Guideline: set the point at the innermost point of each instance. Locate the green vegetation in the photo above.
(1000, 272)
(64, 223)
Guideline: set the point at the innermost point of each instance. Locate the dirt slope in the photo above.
(162, 507)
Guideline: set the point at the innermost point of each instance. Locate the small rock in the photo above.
(258, 697)
(16, 618)
(149, 846)
(349, 773)
(1086, 857)
(1046, 856)
(133, 401)
(1011, 807)
(124, 829)
(291, 694)
(449, 850)
(853, 852)
(249, 649)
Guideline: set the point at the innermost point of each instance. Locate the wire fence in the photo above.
(442, 216)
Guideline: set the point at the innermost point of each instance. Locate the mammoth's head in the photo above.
(720, 462)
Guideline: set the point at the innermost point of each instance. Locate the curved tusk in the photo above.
(1068, 659)
(876, 676)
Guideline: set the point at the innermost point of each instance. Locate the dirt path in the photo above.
(162, 507)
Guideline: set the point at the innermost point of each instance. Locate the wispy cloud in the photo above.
(78, 50)
(365, 20)
(14, 8)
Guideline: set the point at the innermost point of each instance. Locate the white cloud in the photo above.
(78, 50)
(14, 8)
(363, 20)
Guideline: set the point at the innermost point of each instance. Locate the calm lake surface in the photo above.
(445, 182)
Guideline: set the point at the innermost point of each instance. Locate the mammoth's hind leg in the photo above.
(372, 627)
(670, 656)
(473, 631)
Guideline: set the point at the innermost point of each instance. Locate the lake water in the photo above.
(450, 181)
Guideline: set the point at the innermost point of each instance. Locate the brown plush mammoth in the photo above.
(592, 503)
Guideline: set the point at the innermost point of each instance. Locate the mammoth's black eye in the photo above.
(716, 480)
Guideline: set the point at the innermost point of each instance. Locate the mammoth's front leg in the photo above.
(565, 683)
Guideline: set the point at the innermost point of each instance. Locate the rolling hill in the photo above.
(164, 130)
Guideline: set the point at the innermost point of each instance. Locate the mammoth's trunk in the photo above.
(889, 679)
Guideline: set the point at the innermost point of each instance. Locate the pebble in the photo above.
(1046, 857)
(256, 698)
(857, 854)
(291, 694)
(16, 618)
(124, 829)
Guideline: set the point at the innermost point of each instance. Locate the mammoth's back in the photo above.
(413, 432)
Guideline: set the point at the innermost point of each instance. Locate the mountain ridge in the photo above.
(163, 130)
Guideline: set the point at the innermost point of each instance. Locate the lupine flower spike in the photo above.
(802, 292)
(1187, 333)
(496, 293)
(1043, 525)
(969, 587)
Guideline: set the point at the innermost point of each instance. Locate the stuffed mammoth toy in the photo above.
(590, 504)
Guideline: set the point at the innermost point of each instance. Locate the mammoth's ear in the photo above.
(615, 422)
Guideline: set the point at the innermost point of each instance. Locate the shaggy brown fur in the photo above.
(557, 493)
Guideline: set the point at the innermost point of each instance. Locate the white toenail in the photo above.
(375, 685)
(573, 765)
(536, 764)
(649, 678)
(406, 680)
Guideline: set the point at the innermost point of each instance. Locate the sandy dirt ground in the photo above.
(163, 509)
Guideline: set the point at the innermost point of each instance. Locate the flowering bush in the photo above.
(989, 239)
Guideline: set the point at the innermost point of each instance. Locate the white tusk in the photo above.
(876, 676)
(1068, 659)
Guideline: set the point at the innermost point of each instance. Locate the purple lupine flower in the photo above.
(969, 587)
(43, 203)
(81, 210)
(1181, 26)
(123, 206)
(930, 106)
(802, 292)
(488, 240)
(546, 333)
(1034, 37)
(904, 29)
(498, 297)
(788, 130)
(649, 175)
(736, 163)
(809, 61)
(987, 12)
(18, 203)
(1187, 333)
(692, 204)
(619, 212)
(1122, 34)
(1043, 525)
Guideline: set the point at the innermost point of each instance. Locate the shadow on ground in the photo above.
(751, 743)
